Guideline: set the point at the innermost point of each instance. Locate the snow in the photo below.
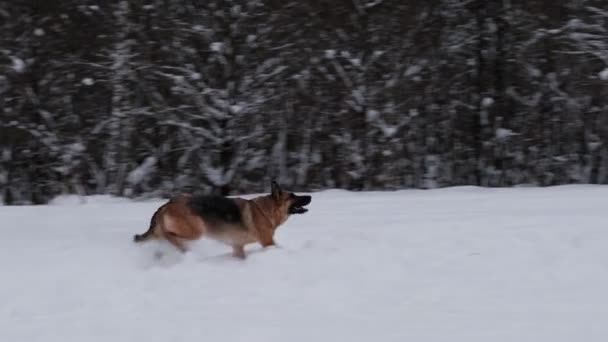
(457, 264)
(76, 148)
(64, 200)
(487, 102)
(138, 174)
(503, 133)
(88, 81)
(372, 115)
(378, 53)
(6, 154)
(17, 64)
(604, 75)
(236, 109)
(216, 47)
(388, 131)
(235, 10)
(412, 70)
(594, 145)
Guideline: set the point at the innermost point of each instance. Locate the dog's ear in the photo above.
(275, 190)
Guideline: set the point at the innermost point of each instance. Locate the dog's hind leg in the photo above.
(176, 241)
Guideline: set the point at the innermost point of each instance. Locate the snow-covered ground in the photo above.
(459, 264)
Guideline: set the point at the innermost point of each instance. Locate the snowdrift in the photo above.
(459, 264)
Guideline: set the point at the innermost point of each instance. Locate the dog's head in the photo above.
(288, 202)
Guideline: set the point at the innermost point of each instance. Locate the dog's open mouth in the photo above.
(297, 210)
(298, 205)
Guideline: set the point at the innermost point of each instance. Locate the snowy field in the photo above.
(459, 264)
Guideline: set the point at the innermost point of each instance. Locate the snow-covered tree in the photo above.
(159, 96)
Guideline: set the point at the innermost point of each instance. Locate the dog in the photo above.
(233, 221)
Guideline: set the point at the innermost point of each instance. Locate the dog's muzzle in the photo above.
(299, 203)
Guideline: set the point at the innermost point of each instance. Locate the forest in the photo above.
(146, 98)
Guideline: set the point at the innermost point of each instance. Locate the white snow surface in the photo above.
(456, 264)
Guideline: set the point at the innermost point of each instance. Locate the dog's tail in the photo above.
(141, 237)
(150, 232)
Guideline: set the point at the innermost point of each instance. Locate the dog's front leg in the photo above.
(266, 238)
(238, 252)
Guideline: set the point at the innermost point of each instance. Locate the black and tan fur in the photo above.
(234, 221)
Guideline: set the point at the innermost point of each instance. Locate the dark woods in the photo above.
(151, 97)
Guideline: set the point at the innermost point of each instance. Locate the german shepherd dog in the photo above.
(233, 221)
